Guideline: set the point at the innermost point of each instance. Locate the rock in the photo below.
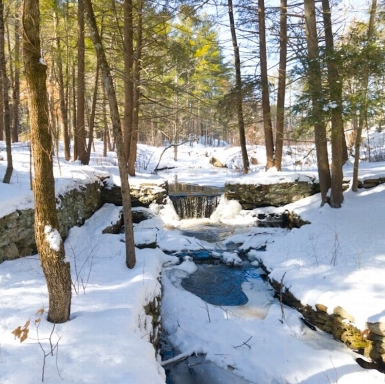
(216, 163)
(253, 196)
(341, 312)
(378, 328)
(321, 308)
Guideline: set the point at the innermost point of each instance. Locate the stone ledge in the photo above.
(252, 196)
(369, 342)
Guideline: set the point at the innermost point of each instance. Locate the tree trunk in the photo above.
(1, 108)
(49, 243)
(81, 89)
(62, 97)
(16, 83)
(281, 86)
(337, 125)
(74, 112)
(128, 57)
(136, 94)
(315, 89)
(238, 85)
(7, 112)
(267, 125)
(116, 126)
(91, 122)
(363, 110)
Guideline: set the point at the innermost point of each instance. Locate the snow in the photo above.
(337, 260)
(53, 237)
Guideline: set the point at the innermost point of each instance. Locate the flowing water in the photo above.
(217, 284)
(194, 201)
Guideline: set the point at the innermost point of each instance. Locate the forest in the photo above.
(208, 77)
(241, 73)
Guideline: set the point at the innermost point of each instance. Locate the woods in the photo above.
(172, 68)
(236, 72)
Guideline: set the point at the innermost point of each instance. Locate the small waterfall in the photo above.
(194, 206)
(194, 201)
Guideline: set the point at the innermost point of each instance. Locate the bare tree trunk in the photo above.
(49, 243)
(337, 125)
(268, 127)
(281, 86)
(91, 122)
(74, 113)
(116, 126)
(363, 110)
(81, 89)
(62, 97)
(136, 94)
(1, 108)
(7, 112)
(315, 88)
(238, 80)
(16, 83)
(128, 56)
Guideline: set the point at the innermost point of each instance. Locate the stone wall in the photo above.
(17, 235)
(141, 196)
(253, 196)
(369, 342)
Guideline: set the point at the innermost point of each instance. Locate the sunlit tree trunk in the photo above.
(91, 120)
(267, 125)
(62, 97)
(128, 56)
(7, 112)
(281, 86)
(16, 82)
(49, 243)
(136, 94)
(238, 81)
(1, 108)
(337, 125)
(363, 110)
(116, 126)
(81, 88)
(315, 89)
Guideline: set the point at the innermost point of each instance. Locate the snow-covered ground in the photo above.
(338, 259)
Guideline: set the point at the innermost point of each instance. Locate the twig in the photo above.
(244, 343)
(280, 297)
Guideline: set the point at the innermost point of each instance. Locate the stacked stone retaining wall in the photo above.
(17, 234)
(369, 341)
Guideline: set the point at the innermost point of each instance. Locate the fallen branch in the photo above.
(281, 298)
(244, 343)
(180, 357)
(164, 150)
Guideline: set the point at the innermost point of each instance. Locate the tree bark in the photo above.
(91, 120)
(116, 126)
(315, 89)
(16, 83)
(81, 89)
(281, 86)
(1, 108)
(128, 57)
(363, 110)
(62, 97)
(267, 125)
(337, 125)
(7, 112)
(238, 85)
(136, 94)
(49, 243)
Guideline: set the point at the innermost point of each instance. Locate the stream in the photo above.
(240, 286)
